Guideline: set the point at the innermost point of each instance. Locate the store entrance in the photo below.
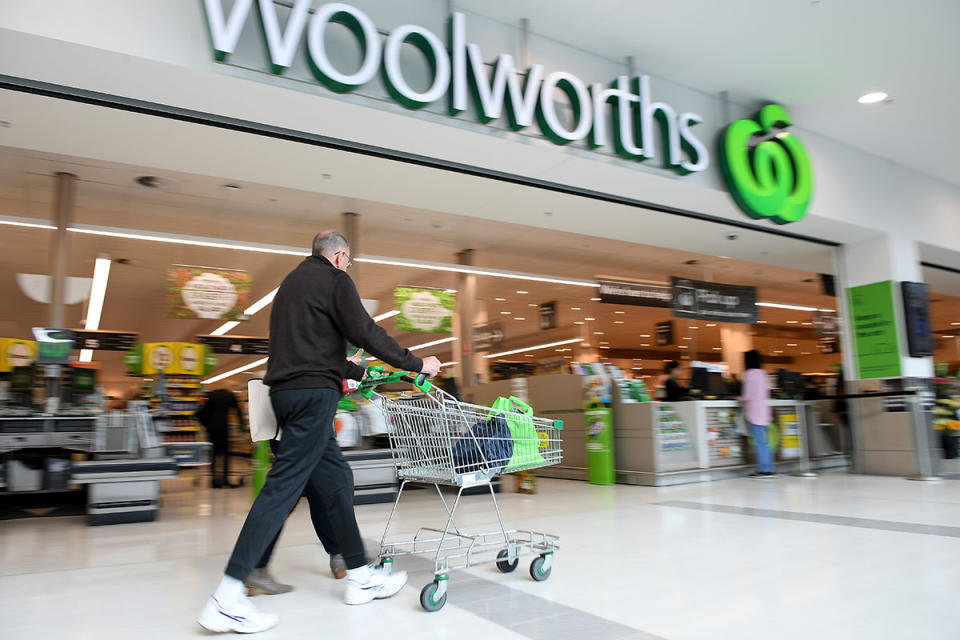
(169, 227)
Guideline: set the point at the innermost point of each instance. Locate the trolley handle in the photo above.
(376, 376)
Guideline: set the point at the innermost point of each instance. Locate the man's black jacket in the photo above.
(315, 312)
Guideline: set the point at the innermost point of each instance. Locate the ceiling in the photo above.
(107, 194)
(815, 56)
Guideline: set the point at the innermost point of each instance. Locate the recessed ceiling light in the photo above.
(504, 313)
(712, 324)
(947, 336)
(873, 97)
(644, 335)
(578, 322)
(574, 308)
(589, 318)
(793, 322)
(955, 324)
(637, 369)
(693, 327)
(595, 299)
(523, 292)
(791, 344)
(530, 304)
(761, 322)
(618, 322)
(598, 333)
(804, 353)
(683, 346)
(645, 344)
(718, 348)
(620, 312)
(500, 299)
(604, 342)
(604, 347)
(685, 338)
(518, 318)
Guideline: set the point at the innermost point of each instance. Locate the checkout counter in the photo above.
(658, 443)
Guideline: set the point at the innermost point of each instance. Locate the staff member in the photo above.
(756, 411)
(675, 392)
(316, 310)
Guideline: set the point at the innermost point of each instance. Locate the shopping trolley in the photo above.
(435, 439)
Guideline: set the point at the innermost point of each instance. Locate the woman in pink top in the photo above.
(756, 411)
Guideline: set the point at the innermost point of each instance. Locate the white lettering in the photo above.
(226, 33)
(580, 100)
(699, 156)
(668, 125)
(283, 46)
(436, 54)
(366, 32)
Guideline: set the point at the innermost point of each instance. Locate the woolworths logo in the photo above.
(767, 169)
(622, 114)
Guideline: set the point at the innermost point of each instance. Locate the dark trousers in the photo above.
(307, 452)
(318, 514)
(221, 454)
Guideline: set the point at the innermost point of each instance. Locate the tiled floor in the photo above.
(840, 556)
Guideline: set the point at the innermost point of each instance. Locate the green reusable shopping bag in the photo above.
(526, 442)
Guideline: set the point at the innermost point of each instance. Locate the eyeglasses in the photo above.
(349, 261)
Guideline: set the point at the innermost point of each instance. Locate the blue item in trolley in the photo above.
(491, 445)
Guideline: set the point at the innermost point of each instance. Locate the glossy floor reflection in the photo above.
(841, 556)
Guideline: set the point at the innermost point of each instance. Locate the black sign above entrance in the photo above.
(237, 344)
(104, 340)
(697, 300)
(635, 293)
(488, 336)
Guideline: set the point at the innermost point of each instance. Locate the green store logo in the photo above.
(767, 169)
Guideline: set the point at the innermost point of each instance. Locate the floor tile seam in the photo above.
(814, 514)
(892, 526)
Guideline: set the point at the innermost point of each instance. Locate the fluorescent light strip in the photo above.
(384, 316)
(98, 291)
(187, 240)
(432, 344)
(436, 266)
(261, 303)
(226, 326)
(447, 364)
(23, 223)
(793, 307)
(539, 346)
(234, 372)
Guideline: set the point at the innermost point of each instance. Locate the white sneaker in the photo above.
(241, 617)
(379, 584)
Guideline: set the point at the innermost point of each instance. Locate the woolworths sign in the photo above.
(621, 115)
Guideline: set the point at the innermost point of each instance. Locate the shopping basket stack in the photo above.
(435, 439)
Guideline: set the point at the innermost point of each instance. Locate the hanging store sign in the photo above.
(635, 293)
(424, 310)
(697, 300)
(875, 339)
(236, 344)
(210, 294)
(547, 314)
(171, 358)
(635, 125)
(104, 340)
(664, 333)
(16, 353)
(488, 336)
(53, 345)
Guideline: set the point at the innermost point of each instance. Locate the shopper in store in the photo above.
(675, 392)
(214, 415)
(756, 411)
(315, 312)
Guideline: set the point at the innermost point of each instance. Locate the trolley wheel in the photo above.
(428, 600)
(504, 564)
(537, 572)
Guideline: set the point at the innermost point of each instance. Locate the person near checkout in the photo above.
(674, 391)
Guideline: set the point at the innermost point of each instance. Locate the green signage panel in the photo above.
(875, 337)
